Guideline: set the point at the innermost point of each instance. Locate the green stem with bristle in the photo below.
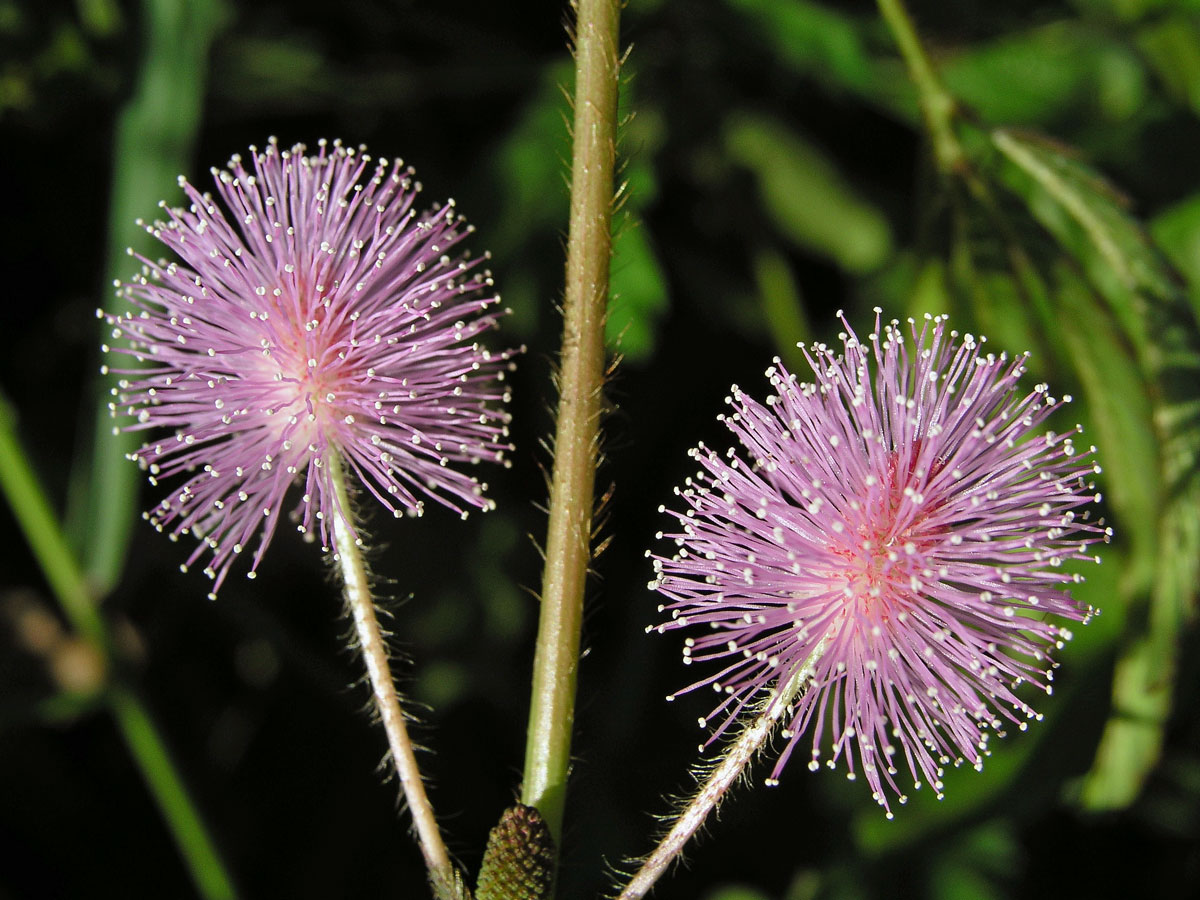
(348, 555)
(737, 756)
(569, 530)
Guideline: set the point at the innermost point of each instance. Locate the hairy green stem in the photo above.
(349, 558)
(41, 529)
(732, 765)
(937, 104)
(569, 531)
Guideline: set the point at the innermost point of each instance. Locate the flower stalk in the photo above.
(569, 531)
(740, 753)
(359, 601)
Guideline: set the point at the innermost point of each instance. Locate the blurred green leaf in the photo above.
(643, 132)
(16, 90)
(735, 892)
(100, 17)
(1118, 400)
(152, 146)
(807, 196)
(1172, 48)
(505, 607)
(12, 18)
(441, 684)
(66, 52)
(783, 306)
(910, 285)
(531, 175)
(66, 707)
(1133, 737)
(1177, 232)
(530, 164)
(974, 864)
(1133, 10)
(1047, 73)
(639, 295)
(1090, 223)
(1089, 219)
(957, 881)
(532, 172)
(812, 38)
(280, 70)
(637, 285)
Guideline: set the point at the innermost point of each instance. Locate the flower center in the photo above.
(885, 559)
(301, 384)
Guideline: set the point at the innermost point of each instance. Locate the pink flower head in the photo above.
(313, 311)
(898, 530)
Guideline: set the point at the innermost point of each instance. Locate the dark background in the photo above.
(727, 255)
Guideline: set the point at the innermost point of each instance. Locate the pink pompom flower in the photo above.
(312, 312)
(894, 535)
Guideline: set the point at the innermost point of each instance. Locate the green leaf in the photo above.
(1133, 736)
(638, 294)
(153, 144)
(736, 892)
(807, 196)
(1172, 48)
(530, 163)
(1121, 414)
(1177, 232)
(1089, 219)
(971, 866)
(813, 39)
(101, 18)
(1143, 296)
(783, 306)
(1133, 10)
(1048, 73)
(910, 285)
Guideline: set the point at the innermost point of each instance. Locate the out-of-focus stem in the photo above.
(148, 749)
(146, 746)
(152, 145)
(937, 104)
(569, 531)
(33, 513)
(361, 604)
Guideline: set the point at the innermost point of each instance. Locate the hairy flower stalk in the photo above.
(732, 765)
(316, 328)
(887, 563)
(348, 556)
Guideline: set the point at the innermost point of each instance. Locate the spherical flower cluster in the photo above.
(314, 319)
(896, 539)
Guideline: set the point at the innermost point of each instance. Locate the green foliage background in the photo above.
(777, 168)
